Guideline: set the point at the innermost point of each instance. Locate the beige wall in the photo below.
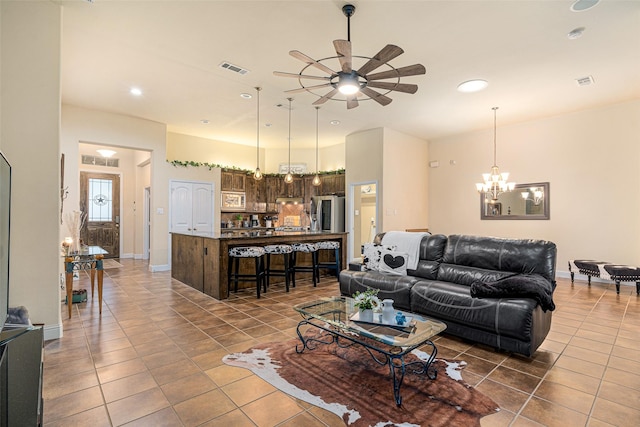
(29, 135)
(590, 159)
(405, 177)
(191, 148)
(101, 128)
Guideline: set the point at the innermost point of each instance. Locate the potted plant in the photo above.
(366, 302)
(238, 220)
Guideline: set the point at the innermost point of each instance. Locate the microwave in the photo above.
(328, 212)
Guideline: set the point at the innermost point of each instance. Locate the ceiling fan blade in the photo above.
(325, 98)
(398, 87)
(310, 61)
(385, 55)
(352, 102)
(305, 89)
(409, 70)
(376, 96)
(301, 76)
(343, 49)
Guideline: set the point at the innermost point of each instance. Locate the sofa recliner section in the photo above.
(440, 288)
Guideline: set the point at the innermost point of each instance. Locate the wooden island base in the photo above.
(202, 261)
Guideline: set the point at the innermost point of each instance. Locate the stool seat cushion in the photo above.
(278, 249)
(621, 272)
(304, 247)
(328, 245)
(246, 252)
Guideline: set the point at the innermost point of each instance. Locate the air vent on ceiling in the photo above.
(229, 66)
(585, 81)
(100, 161)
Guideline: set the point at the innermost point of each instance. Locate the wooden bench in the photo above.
(606, 270)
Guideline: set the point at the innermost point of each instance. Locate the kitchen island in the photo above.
(202, 261)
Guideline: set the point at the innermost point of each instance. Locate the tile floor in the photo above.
(153, 359)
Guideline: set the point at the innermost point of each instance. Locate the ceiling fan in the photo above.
(353, 84)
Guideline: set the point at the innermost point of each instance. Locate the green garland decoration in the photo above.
(210, 166)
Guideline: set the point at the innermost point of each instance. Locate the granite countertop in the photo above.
(239, 233)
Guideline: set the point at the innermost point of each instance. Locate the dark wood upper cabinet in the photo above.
(261, 195)
(272, 191)
(333, 184)
(294, 189)
(255, 193)
(232, 180)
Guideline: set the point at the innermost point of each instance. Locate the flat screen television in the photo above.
(5, 208)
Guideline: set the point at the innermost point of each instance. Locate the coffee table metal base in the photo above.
(393, 356)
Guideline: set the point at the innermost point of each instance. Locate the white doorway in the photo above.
(363, 216)
(146, 226)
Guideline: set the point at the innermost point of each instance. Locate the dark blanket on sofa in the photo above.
(517, 286)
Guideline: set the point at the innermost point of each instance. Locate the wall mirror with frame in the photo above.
(526, 201)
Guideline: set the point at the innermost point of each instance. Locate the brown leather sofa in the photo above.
(450, 274)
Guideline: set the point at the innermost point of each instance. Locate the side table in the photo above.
(88, 258)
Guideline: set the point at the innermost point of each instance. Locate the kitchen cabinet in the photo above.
(232, 180)
(294, 189)
(255, 193)
(310, 190)
(332, 184)
(195, 261)
(272, 191)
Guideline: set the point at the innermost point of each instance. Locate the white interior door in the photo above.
(191, 207)
(202, 211)
(181, 207)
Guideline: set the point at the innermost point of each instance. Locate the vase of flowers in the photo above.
(366, 302)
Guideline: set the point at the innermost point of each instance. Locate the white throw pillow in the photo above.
(372, 253)
(394, 262)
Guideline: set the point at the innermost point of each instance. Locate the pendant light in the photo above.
(495, 183)
(316, 179)
(289, 177)
(257, 175)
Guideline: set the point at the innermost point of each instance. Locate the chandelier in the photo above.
(495, 183)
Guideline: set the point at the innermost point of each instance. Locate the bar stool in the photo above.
(336, 264)
(313, 268)
(285, 251)
(235, 254)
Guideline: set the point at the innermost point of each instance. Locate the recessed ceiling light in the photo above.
(575, 33)
(581, 5)
(335, 122)
(246, 95)
(204, 121)
(472, 86)
(135, 91)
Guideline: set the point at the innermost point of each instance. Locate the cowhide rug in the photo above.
(347, 382)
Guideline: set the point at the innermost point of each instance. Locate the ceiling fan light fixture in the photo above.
(354, 85)
(348, 83)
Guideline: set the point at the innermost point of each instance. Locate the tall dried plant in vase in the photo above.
(75, 221)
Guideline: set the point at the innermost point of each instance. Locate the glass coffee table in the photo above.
(387, 344)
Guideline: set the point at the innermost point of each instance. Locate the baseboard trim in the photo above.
(156, 268)
(52, 332)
